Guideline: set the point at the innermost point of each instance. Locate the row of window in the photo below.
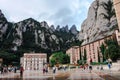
(34, 58)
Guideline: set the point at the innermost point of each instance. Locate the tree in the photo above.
(113, 50)
(102, 50)
(109, 8)
(85, 55)
(59, 58)
(8, 58)
(80, 55)
(98, 56)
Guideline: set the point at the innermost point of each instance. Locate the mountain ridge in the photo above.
(33, 35)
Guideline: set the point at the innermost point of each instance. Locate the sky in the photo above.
(54, 12)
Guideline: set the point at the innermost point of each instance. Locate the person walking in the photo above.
(21, 71)
(54, 69)
(1, 69)
(109, 65)
(90, 68)
(15, 69)
(43, 70)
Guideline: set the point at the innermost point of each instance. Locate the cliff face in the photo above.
(101, 21)
(31, 35)
(3, 25)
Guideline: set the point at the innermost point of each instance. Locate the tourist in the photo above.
(44, 70)
(9, 68)
(97, 67)
(15, 69)
(101, 67)
(1, 69)
(21, 71)
(5, 69)
(109, 65)
(54, 69)
(90, 68)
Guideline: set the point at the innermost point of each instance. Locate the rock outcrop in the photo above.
(101, 21)
(3, 25)
(73, 30)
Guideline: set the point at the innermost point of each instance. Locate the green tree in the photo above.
(98, 56)
(59, 58)
(80, 55)
(109, 8)
(113, 50)
(8, 58)
(85, 55)
(102, 50)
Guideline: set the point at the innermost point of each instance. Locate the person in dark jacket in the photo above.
(21, 71)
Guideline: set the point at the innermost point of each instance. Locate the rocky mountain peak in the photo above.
(44, 24)
(52, 28)
(73, 30)
(2, 18)
(101, 18)
(66, 28)
(58, 28)
(30, 19)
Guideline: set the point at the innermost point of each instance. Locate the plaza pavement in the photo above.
(69, 74)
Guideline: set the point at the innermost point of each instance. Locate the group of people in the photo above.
(45, 69)
(5, 69)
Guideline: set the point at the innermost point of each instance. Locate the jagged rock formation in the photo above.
(101, 21)
(73, 30)
(3, 25)
(31, 35)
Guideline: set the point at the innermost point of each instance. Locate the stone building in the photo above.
(92, 49)
(33, 61)
(74, 53)
(117, 10)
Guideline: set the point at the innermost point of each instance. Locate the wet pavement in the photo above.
(75, 74)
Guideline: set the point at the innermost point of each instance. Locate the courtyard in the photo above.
(68, 74)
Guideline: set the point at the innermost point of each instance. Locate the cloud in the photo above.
(57, 12)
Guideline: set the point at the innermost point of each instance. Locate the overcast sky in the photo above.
(56, 12)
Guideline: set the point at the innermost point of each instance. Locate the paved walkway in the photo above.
(9, 75)
(84, 75)
(74, 74)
